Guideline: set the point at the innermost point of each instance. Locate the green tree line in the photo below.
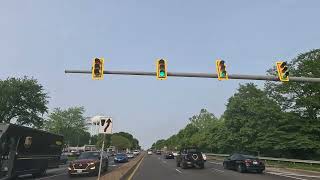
(278, 120)
(24, 101)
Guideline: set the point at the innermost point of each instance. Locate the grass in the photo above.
(302, 166)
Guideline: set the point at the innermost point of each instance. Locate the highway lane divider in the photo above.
(131, 174)
(124, 171)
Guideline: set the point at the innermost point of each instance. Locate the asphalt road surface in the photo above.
(156, 168)
(61, 173)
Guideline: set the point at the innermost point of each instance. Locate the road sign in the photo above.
(105, 125)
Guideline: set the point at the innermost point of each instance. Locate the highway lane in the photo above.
(61, 173)
(156, 168)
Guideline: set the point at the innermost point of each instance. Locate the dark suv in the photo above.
(190, 157)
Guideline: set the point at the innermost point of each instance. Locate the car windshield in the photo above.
(89, 155)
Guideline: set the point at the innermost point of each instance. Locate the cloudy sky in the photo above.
(42, 38)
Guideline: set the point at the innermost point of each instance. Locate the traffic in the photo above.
(160, 90)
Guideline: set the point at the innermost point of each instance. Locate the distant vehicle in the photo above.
(63, 159)
(169, 155)
(136, 152)
(88, 163)
(204, 157)
(149, 152)
(243, 163)
(21, 148)
(130, 155)
(158, 152)
(121, 158)
(175, 154)
(190, 157)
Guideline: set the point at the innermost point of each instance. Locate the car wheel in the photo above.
(240, 168)
(225, 166)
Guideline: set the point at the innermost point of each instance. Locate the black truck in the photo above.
(25, 150)
(190, 157)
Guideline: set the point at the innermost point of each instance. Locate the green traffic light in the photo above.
(162, 74)
(223, 74)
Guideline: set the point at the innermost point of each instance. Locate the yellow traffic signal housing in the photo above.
(161, 69)
(97, 68)
(221, 70)
(283, 71)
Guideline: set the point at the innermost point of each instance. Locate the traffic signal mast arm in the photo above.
(202, 75)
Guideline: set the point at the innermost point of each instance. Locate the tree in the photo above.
(302, 101)
(23, 100)
(70, 123)
(120, 142)
(249, 116)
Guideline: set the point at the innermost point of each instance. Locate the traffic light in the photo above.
(221, 70)
(283, 71)
(97, 69)
(161, 69)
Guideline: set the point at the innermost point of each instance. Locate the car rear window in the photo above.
(248, 157)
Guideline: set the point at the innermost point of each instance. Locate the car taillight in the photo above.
(248, 162)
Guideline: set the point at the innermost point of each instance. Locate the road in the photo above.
(156, 168)
(61, 173)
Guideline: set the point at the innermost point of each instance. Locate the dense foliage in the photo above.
(121, 140)
(281, 120)
(71, 124)
(22, 100)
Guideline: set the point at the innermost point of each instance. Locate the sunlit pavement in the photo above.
(155, 167)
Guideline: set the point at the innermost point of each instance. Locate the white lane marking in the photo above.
(178, 171)
(215, 162)
(217, 170)
(279, 174)
(164, 161)
(112, 165)
(159, 158)
(293, 174)
(53, 176)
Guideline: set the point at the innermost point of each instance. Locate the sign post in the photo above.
(105, 128)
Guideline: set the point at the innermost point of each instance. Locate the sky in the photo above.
(42, 38)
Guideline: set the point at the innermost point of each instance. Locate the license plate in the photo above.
(79, 171)
(255, 162)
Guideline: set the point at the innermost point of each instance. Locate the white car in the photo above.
(136, 152)
(149, 152)
(175, 154)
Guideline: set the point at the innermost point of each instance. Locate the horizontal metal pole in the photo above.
(202, 75)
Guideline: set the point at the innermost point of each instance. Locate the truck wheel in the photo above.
(184, 166)
(40, 174)
(201, 166)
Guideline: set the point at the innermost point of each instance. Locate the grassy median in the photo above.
(302, 166)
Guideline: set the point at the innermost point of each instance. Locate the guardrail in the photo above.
(273, 159)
